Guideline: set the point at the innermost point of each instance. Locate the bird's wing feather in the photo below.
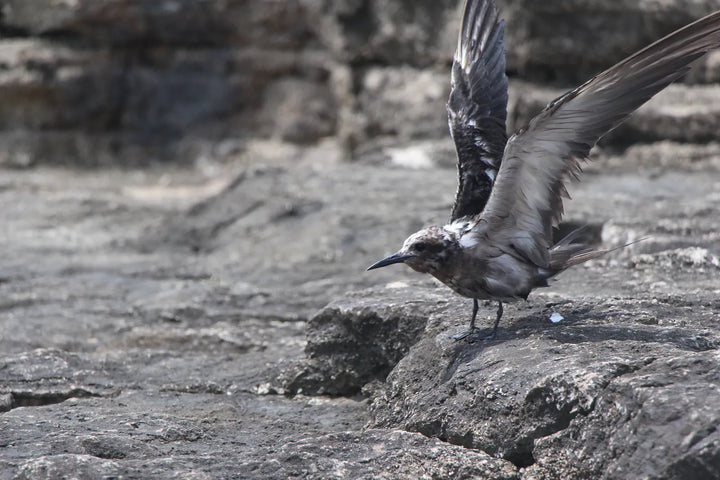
(527, 198)
(477, 107)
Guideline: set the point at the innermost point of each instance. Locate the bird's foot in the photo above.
(467, 334)
(474, 335)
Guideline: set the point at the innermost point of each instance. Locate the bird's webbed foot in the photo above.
(474, 334)
(466, 335)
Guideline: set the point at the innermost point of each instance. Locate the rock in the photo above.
(137, 82)
(62, 466)
(373, 342)
(159, 320)
(679, 113)
(404, 103)
(480, 397)
(657, 158)
(571, 40)
(659, 399)
(381, 32)
(683, 257)
(705, 71)
(303, 112)
(40, 79)
(385, 454)
(536, 396)
(160, 323)
(183, 23)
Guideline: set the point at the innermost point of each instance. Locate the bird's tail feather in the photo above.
(565, 254)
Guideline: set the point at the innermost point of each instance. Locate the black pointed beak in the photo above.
(398, 257)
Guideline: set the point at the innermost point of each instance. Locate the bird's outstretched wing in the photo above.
(527, 198)
(477, 107)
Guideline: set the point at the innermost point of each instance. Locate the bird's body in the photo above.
(459, 258)
(498, 244)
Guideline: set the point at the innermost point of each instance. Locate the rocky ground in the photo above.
(211, 317)
(152, 322)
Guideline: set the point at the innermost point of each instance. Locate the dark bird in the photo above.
(498, 244)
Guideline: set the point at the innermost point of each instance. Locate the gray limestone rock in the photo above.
(67, 466)
(374, 453)
(152, 320)
(353, 344)
(94, 83)
(136, 82)
(571, 40)
(218, 322)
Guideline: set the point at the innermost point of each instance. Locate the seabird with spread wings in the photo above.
(498, 244)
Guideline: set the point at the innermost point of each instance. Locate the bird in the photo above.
(498, 244)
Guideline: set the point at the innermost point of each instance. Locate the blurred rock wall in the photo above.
(130, 82)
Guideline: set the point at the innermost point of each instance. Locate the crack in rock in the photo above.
(12, 400)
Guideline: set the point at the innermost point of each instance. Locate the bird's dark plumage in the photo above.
(477, 107)
(500, 246)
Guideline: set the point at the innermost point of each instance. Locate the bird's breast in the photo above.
(500, 278)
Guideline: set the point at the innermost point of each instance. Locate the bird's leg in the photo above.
(474, 314)
(497, 322)
(471, 333)
(472, 323)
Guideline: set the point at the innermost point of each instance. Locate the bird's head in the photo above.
(425, 251)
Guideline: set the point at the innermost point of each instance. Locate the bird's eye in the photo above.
(421, 246)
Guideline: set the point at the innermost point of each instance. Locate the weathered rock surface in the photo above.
(218, 322)
(631, 369)
(95, 83)
(354, 344)
(385, 454)
(596, 396)
(570, 40)
(135, 82)
(148, 320)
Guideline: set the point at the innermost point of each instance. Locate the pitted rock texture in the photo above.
(385, 454)
(215, 320)
(151, 318)
(355, 343)
(138, 82)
